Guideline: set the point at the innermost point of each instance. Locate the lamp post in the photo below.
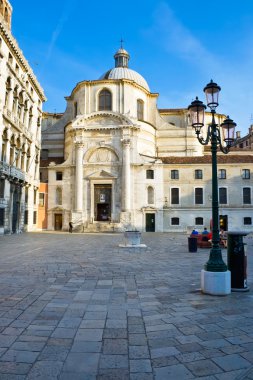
(215, 278)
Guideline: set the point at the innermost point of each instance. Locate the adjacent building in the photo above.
(21, 99)
(114, 161)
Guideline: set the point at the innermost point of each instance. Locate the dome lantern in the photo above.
(121, 58)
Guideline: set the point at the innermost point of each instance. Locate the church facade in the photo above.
(113, 161)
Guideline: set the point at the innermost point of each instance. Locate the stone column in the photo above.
(79, 177)
(126, 176)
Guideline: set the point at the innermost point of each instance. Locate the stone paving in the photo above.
(78, 307)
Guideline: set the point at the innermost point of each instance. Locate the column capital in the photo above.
(126, 142)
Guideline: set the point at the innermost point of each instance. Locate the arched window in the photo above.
(105, 101)
(150, 195)
(6, 15)
(30, 117)
(140, 109)
(59, 196)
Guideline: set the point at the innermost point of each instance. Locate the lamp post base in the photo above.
(216, 283)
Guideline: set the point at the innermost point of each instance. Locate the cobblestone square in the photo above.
(77, 306)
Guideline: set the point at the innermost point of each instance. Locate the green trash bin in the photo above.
(192, 244)
(237, 261)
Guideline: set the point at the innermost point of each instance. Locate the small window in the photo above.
(26, 195)
(174, 174)
(2, 217)
(140, 109)
(34, 196)
(75, 109)
(150, 195)
(26, 217)
(245, 173)
(175, 196)
(58, 176)
(247, 221)
(44, 154)
(223, 195)
(34, 217)
(199, 221)
(222, 174)
(246, 195)
(2, 185)
(198, 196)
(41, 199)
(105, 101)
(150, 174)
(198, 174)
(175, 221)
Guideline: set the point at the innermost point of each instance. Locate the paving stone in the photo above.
(113, 374)
(164, 351)
(92, 335)
(138, 352)
(115, 333)
(19, 356)
(45, 370)
(140, 365)
(232, 362)
(115, 346)
(203, 368)
(11, 368)
(137, 339)
(81, 362)
(178, 371)
(113, 361)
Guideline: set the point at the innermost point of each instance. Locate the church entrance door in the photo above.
(150, 222)
(57, 222)
(102, 202)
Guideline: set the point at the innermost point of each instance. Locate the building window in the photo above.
(245, 173)
(58, 196)
(58, 176)
(246, 195)
(75, 109)
(140, 109)
(198, 174)
(199, 221)
(174, 174)
(223, 195)
(175, 196)
(247, 221)
(150, 174)
(2, 217)
(34, 196)
(150, 195)
(26, 217)
(105, 101)
(175, 221)
(41, 199)
(222, 174)
(198, 196)
(2, 185)
(34, 217)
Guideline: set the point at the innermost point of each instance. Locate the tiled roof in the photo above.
(222, 159)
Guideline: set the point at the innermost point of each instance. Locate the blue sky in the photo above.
(177, 45)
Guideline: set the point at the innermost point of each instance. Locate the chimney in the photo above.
(238, 134)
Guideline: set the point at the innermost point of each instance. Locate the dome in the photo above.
(121, 70)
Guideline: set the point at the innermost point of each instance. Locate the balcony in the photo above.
(11, 172)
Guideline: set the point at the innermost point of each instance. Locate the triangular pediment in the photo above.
(101, 119)
(101, 174)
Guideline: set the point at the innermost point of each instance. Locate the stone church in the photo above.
(114, 161)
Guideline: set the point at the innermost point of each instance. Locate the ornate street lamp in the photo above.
(224, 141)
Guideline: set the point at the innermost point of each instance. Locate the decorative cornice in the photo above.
(13, 45)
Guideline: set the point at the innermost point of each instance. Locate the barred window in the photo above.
(222, 173)
(198, 196)
(246, 195)
(174, 174)
(198, 174)
(223, 195)
(175, 195)
(199, 221)
(175, 221)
